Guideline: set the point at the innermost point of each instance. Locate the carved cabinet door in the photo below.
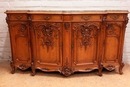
(113, 44)
(85, 41)
(48, 45)
(20, 43)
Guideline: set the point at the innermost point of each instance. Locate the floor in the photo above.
(42, 79)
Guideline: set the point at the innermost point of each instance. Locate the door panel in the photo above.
(111, 49)
(48, 43)
(85, 43)
(19, 33)
(84, 54)
(112, 41)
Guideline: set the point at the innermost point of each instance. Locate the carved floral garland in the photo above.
(86, 31)
(49, 33)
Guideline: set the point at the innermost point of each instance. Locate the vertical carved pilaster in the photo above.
(67, 26)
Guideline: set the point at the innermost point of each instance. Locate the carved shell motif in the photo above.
(110, 67)
(23, 67)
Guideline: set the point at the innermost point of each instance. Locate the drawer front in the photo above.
(46, 17)
(17, 17)
(115, 17)
(86, 18)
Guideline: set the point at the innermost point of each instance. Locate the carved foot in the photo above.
(13, 70)
(13, 67)
(120, 68)
(100, 73)
(66, 71)
(100, 70)
(110, 67)
(33, 73)
(33, 70)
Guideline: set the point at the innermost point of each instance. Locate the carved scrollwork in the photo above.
(23, 67)
(86, 31)
(18, 17)
(111, 30)
(7, 19)
(22, 30)
(86, 17)
(48, 32)
(66, 71)
(126, 20)
(114, 17)
(110, 67)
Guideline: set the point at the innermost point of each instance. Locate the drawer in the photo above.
(87, 17)
(115, 17)
(17, 17)
(40, 17)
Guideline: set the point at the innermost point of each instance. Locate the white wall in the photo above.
(5, 50)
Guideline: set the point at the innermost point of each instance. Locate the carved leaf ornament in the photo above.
(18, 17)
(111, 30)
(86, 31)
(49, 33)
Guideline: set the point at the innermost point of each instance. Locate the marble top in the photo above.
(67, 11)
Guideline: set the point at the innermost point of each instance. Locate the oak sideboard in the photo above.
(67, 41)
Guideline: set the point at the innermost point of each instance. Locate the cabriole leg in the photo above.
(33, 70)
(12, 67)
(100, 69)
(120, 68)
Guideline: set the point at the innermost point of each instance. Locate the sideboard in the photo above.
(67, 41)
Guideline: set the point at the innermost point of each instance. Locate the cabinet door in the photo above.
(112, 44)
(20, 43)
(48, 45)
(85, 41)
